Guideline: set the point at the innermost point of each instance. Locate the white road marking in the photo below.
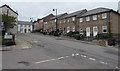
(41, 62)
(60, 57)
(103, 62)
(73, 54)
(83, 56)
(77, 54)
(67, 56)
(52, 59)
(92, 59)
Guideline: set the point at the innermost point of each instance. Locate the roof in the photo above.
(75, 13)
(9, 8)
(95, 11)
(25, 22)
(59, 16)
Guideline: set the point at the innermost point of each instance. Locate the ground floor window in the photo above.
(73, 28)
(81, 31)
(104, 29)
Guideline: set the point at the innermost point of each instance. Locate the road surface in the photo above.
(36, 51)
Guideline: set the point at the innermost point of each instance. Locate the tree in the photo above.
(9, 21)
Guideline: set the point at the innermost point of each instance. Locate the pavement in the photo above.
(35, 51)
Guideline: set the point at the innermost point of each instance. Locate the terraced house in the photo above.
(69, 22)
(39, 24)
(99, 21)
(50, 24)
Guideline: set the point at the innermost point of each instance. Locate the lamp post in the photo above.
(56, 19)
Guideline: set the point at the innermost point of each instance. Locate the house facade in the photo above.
(39, 24)
(25, 27)
(5, 9)
(53, 23)
(99, 21)
(68, 22)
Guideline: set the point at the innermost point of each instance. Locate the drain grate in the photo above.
(24, 62)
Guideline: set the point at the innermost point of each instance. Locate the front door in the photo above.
(95, 31)
(88, 31)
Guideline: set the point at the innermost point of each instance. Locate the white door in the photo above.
(88, 31)
(95, 31)
(68, 29)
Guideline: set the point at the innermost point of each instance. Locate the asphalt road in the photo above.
(35, 51)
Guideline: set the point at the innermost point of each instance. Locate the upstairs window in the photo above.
(60, 21)
(87, 18)
(81, 19)
(73, 18)
(95, 17)
(104, 15)
(64, 20)
(68, 20)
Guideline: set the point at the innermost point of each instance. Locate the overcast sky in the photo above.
(38, 9)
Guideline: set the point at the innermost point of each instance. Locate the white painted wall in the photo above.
(21, 29)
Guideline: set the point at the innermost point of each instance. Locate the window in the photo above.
(104, 15)
(45, 22)
(73, 18)
(81, 19)
(104, 29)
(60, 21)
(55, 20)
(68, 20)
(81, 31)
(87, 18)
(64, 20)
(68, 29)
(73, 28)
(95, 17)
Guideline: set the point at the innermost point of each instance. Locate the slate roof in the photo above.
(95, 11)
(9, 8)
(75, 13)
(58, 16)
(25, 22)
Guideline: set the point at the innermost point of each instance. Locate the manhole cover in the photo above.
(24, 62)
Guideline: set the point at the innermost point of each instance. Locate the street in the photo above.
(37, 51)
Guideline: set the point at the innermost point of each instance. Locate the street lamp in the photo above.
(56, 19)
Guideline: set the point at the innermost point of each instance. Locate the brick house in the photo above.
(50, 24)
(39, 24)
(68, 23)
(99, 21)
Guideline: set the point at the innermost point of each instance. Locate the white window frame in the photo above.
(88, 18)
(64, 20)
(73, 18)
(73, 28)
(60, 21)
(104, 28)
(104, 15)
(81, 19)
(94, 17)
(68, 20)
